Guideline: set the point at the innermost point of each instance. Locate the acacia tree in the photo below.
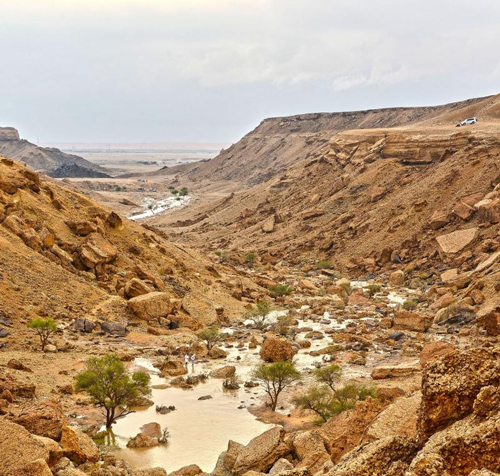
(111, 387)
(274, 378)
(210, 336)
(258, 314)
(329, 375)
(43, 328)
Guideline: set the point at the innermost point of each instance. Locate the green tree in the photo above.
(43, 328)
(274, 378)
(329, 375)
(183, 192)
(259, 313)
(111, 387)
(210, 336)
(319, 399)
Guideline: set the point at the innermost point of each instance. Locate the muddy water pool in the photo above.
(200, 429)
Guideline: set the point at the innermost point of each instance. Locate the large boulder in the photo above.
(224, 372)
(399, 418)
(433, 351)
(262, 452)
(469, 444)
(275, 349)
(345, 431)
(18, 449)
(412, 321)
(457, 240)
(77, 446)
(173, 368)
(151, 306)
(310, 450)
(97, 250)
(44, 418)
(451, 384)
(389, 456)
(190, 470)
(199, 307)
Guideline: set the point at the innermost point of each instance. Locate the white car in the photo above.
(466, 122)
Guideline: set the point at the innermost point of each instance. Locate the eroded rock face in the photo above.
(345, 431)
(97, 250)
(44, 418)
(451, 384)
(77, 446)
(18, 449)
(275, 349)
(389, 456)
(262, 452)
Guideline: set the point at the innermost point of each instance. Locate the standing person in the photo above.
(186, 359)
(193, 360)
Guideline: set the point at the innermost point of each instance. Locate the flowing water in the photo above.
(200, 429)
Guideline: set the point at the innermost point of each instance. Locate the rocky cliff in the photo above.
(46, 159)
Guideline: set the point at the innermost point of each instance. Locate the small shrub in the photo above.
(346, 287)
(324, 264)
(183, 192)
(410, 305)
(250, 258)
(223, 256)
(373, 289)
(280, 290)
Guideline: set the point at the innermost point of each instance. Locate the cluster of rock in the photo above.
(456, 432)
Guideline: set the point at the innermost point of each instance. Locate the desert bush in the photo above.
(410, 305)
(329, 375)
(210, 336)
(324, 264)
(280, 290)
(373, 289)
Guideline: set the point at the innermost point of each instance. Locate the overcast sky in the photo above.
(211, 70)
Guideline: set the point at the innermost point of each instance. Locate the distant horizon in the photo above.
(88, 146)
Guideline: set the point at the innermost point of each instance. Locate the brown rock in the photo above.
(451, 384)
(433, 351)
(438, 220)
(399, 418)
(173, 368)
(262, 452)
(412, 321)
(114, 221)
(488, 211)
(199, 307)
(191, 470)
(268, 225)
(55, 451)
(275, 349)
(43, 418)
(444, 301)
(397, 278)
(463, 211)
(97, 250)
(380, 373)
(310, 449)
(150, 306)
(377, 193)
(217, 353)
(18, 449)
(224, 372)
(136, 287)
(457, 240)
(82, 228)
(345, 431)
(77, 446)
(389, 456)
